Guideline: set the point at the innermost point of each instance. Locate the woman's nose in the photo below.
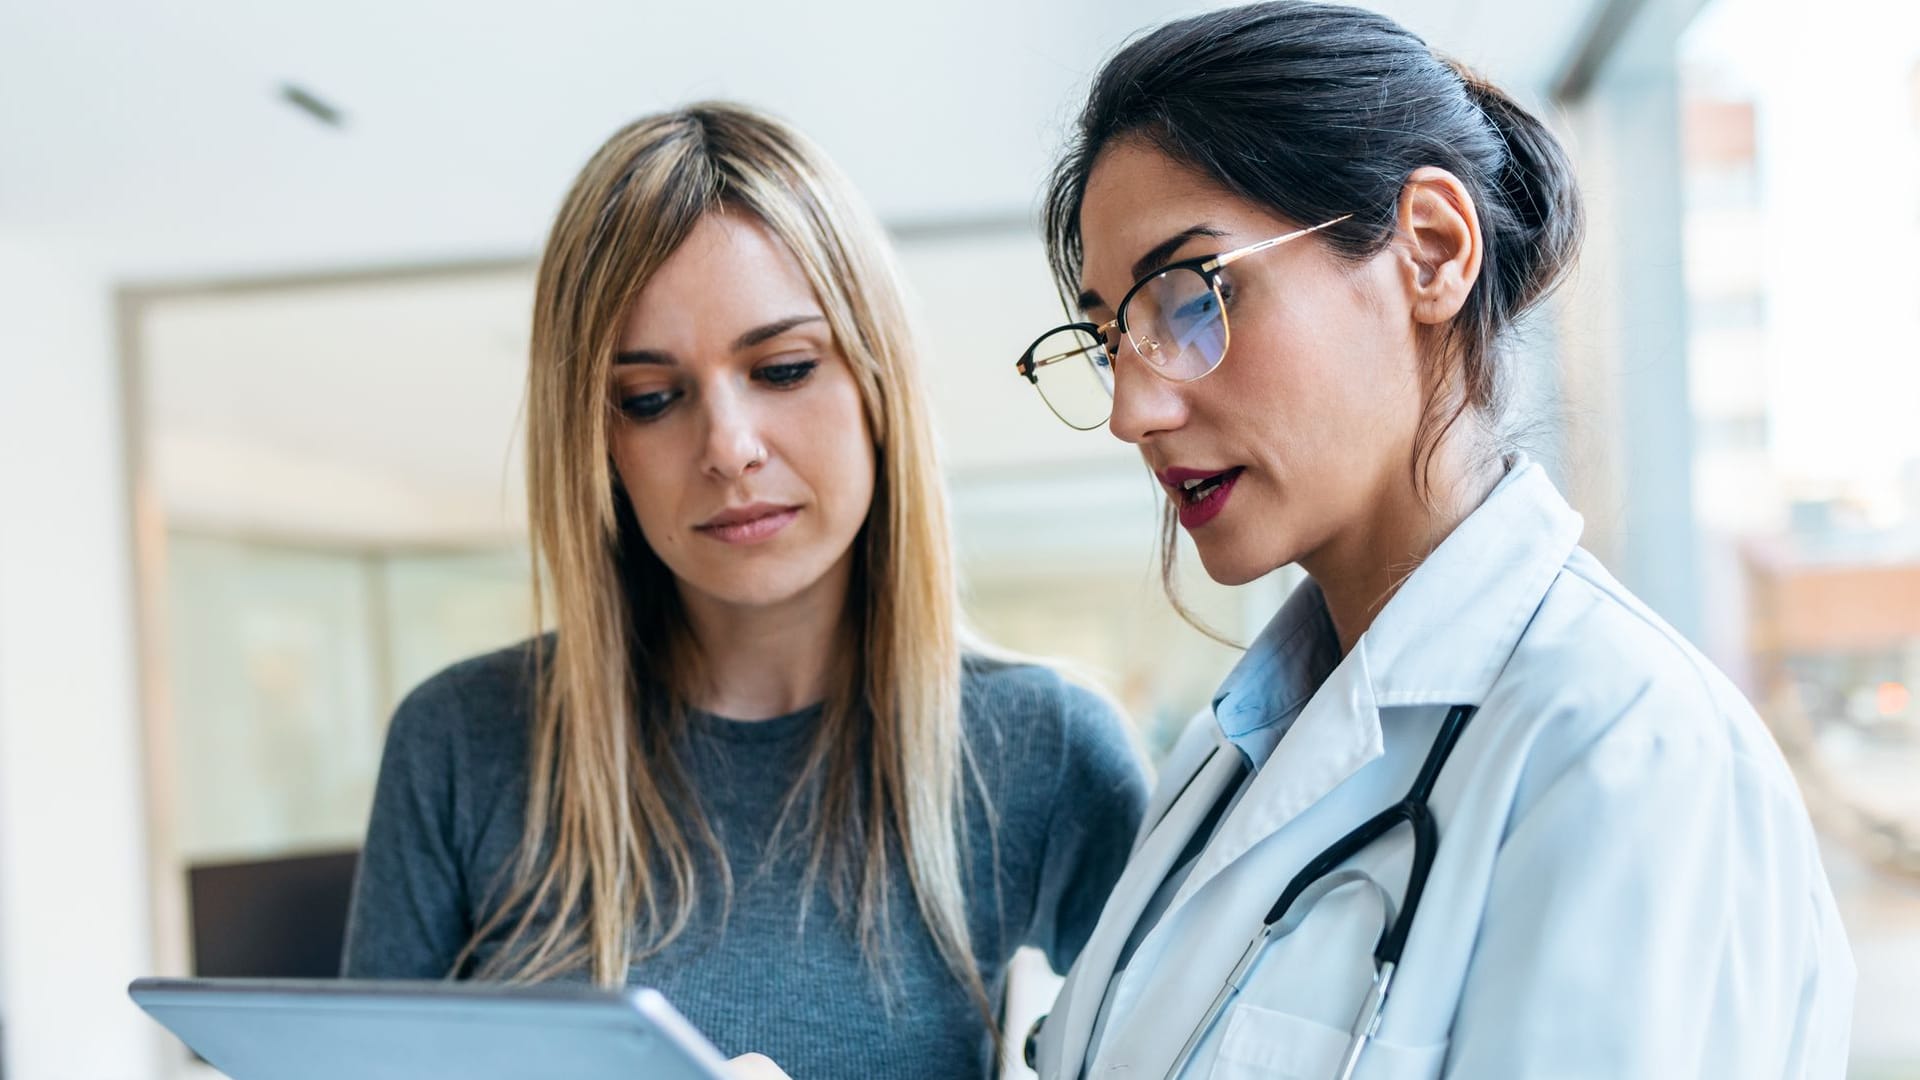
(735, 446)
(1143, 402)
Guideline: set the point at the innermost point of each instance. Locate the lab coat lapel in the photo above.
(1088, 983)
(1335, 736)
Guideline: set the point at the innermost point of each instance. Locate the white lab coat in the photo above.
(1626, 884)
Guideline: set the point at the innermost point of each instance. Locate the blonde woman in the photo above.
(752, 766)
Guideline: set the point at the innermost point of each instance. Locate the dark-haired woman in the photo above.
(1466, 807)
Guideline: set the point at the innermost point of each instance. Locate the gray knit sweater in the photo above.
(1064, 793)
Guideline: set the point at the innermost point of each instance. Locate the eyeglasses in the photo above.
(1176, 318)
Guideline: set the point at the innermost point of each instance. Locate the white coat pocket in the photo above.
(1261, 1044)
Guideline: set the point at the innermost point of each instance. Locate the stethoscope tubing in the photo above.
(1411, 811)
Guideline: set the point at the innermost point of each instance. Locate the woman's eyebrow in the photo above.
(774, 329)
(1157, 256)
(759, 334)
(1154, 259)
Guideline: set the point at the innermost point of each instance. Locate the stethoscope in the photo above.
(1321, 876)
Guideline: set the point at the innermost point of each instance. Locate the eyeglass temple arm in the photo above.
(1029, 367)
(1237, 254)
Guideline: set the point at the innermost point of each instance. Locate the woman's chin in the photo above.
(1230, 564)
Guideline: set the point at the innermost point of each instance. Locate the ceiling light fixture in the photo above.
(313, 105)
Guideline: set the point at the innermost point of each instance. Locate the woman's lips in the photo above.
(1199, 495)
(748, 524)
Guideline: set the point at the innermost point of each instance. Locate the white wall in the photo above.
(74, 909)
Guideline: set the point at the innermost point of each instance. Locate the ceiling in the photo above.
(153, 138)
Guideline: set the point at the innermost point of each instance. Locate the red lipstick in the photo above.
(1199, 494)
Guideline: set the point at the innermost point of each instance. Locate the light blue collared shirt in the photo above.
(1273, 681)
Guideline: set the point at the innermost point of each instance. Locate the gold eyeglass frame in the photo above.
(1207, 266)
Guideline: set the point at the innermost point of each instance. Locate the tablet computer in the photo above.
(279, 1029)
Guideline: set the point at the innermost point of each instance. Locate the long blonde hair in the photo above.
(606, 874)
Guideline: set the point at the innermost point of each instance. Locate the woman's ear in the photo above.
(1439, 243)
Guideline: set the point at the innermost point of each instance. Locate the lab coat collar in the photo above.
(1441, 640)
(1448, 632)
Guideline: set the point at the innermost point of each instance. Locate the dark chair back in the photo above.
(272, 918)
